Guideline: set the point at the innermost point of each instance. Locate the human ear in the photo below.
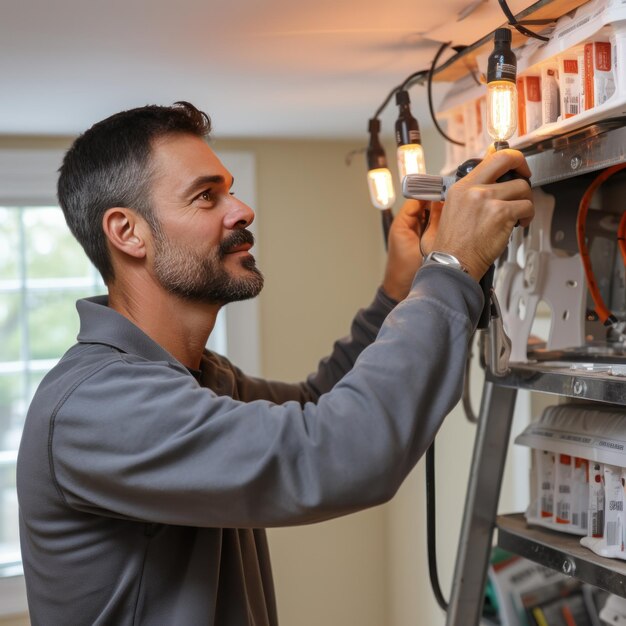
(125, 231)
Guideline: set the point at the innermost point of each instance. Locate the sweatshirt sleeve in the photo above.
(220, 375)
(142, 440)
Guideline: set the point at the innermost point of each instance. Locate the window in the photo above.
(43, 271)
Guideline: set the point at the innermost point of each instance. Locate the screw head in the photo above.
(575, 162)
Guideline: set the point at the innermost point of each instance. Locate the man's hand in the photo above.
(479, 214)
(404, 257)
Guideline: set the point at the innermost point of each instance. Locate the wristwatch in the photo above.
(443, 258)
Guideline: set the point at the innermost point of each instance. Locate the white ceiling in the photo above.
(259, 67)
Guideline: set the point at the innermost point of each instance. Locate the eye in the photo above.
(206, 197)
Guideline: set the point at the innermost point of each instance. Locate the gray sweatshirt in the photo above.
(144, 488)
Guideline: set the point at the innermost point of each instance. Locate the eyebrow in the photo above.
(203, 181)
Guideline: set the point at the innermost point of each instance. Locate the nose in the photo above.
(238, 215)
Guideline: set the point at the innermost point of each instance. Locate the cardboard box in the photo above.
(529, 103)
(569, 85)
(599, 81)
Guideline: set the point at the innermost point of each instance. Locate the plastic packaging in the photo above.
(579, 470)
(563, 489)
(580, 494)
(569, 85)
(546, 484)
(550, 101)
(611, 543)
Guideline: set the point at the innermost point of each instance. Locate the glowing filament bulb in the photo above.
(411, 159)
(501, 109)
(381, 188)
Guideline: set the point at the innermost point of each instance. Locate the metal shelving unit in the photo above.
(561, 552)
(560, 379)
(561, 158)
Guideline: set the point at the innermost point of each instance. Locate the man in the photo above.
(149, 466)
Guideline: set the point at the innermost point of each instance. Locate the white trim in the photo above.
(13, 596)
(243, 345)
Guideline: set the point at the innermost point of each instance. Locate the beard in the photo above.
(202, 278)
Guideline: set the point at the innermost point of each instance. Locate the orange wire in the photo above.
(568, 616)
(606, 317)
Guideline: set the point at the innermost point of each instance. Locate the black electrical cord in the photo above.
(430, 95)
(385, 102)
(431, 527)
(414, 77)
(513, 22)
(387, 218)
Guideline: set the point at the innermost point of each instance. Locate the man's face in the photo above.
(201, 245)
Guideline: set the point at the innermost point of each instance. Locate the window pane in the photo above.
(9, 243)
(51, 250)
(12, 408)
(9, 540)
(10, 326)
(43, 272)
(52, 322)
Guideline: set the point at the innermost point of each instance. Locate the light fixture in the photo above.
(501, 90)
(379, 178)
(410, 152)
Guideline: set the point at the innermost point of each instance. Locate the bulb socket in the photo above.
(407, 128)
(502, 34)
(376, 157)
(502, 62)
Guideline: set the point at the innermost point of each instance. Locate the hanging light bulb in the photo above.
(501, 90)
(379, 178)
(410, 152)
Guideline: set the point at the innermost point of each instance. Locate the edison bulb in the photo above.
(501, 109)
(381, 188)
(411, 160)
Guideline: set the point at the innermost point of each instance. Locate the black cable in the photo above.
(513, 22)
(431, 527)
(412, 77)
(430, 95)
(386, 101)
(387, 217)
(405, 84)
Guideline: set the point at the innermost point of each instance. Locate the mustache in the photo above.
(237, 238)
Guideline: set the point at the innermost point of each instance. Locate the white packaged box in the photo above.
(569, 85)
(599, 79)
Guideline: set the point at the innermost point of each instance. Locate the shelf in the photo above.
(464, 62)
(558, 378)
(585, 150)
(560, 552)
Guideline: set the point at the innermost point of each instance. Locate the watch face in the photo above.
(444, 258)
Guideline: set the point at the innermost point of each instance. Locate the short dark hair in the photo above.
(109, 165)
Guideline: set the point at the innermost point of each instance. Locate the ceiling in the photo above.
(263, 68)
